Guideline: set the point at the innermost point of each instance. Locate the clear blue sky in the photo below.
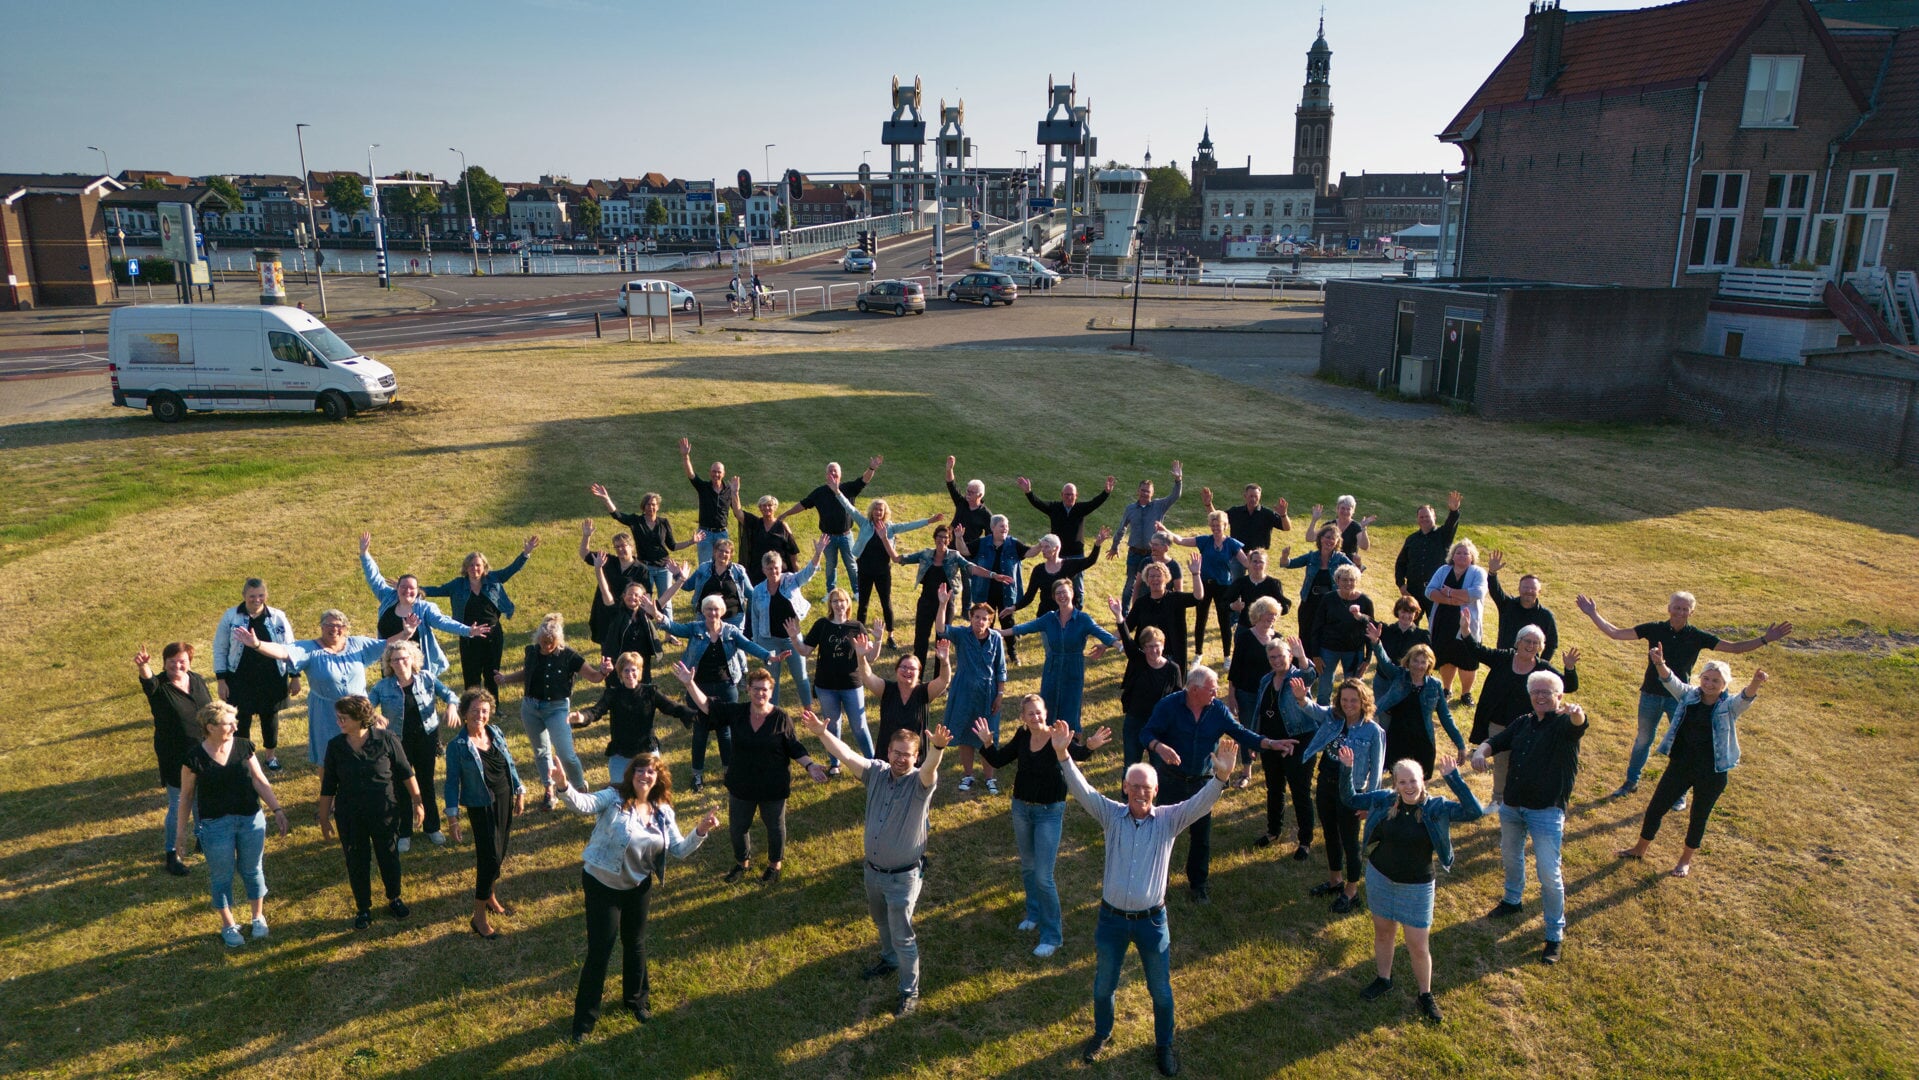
(599, 88)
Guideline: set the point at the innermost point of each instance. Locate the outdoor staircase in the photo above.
(1904, 308)
(1880, 292)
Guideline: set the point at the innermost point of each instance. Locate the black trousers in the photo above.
(480, 660)
(422, 749)
(1174, 787)
(368, 838)
(1707, 784)
(876, 578)
(1288, 773)
(1308, 613)
(1339, 824)
(491, 826)
(1221, 603)
(703, 727)
(269, 716)
(739, 824)
(612, 913)
(924, 612)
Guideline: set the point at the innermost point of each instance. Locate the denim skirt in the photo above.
(1408, 905)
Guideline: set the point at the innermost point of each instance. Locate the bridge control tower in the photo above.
(906, 129)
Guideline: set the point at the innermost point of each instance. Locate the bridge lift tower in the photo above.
(1063, 138)
(906, 128)
(953, 146)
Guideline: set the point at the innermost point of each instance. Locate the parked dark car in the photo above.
(987, 288)
(898, 297)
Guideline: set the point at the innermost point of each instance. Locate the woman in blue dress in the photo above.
(334, 665)
(1062, 681)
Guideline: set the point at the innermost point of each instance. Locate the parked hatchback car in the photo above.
(680, 297)
(898, 297)
(988, 288)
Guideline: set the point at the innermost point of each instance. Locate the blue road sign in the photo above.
(1040, 204)
(133, 268)
(977, 223)
(1352, 243)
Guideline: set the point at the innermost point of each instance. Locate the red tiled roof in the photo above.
(1894, 120)
(1670, 46)
(1862, 52)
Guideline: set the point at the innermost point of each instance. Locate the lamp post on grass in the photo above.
(313, 225)
(472, 224)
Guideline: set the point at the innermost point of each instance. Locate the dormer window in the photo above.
(1772, 91)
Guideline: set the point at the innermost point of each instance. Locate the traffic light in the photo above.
(746, 184)
(869, 243)
(795, 184)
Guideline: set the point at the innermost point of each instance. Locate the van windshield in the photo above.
(328, 344)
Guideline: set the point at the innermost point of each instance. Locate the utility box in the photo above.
(1415, 376)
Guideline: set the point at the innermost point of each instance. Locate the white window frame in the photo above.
(1772, 91)
(1720, 223)
(1868, 215)
(1775, 219)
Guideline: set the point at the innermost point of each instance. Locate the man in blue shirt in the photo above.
(1180, 734)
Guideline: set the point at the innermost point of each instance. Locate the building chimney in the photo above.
(1546, 26)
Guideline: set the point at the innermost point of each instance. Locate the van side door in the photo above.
(228, 365)
(293, 372)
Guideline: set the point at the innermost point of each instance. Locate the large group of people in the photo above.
(1342, 719)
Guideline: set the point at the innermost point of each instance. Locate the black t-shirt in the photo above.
(714, 505)
(711, 669)
(549, 676)
(1682, 647)
(1040, 780)
(631, 714)
(477, 609)
(756, 539)
(1249, 663)
(1168, 612)
(833, 517)
(725, 587)
(256, 677)
(897, 715)
(630, 631)
(1349, 540)
(972, 524)
(778, 610)
(759, 770)
(1402, 848)
(220, 790)
(1694, 727)
(1322, 581)
(835, 664)
(1398, 643)
(361, 781)
(652, 544)
(1246, 590)
(1334, 626)
(1253, 528)
(390, 623)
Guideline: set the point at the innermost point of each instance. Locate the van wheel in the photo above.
(168, 408)
(335, 406)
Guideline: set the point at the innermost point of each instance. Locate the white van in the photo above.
(173, 357)
(1025, 270)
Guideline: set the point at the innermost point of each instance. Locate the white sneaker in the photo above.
(260, 928)
(1027, 924)
(406, 843)
(438, 838)
(231, 935)
(992, 786)
(966, 783)
(1044, 951)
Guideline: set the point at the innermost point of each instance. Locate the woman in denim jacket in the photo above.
(778, 580)
(420, 737)
(1702, 747)
(481, 776)
(720, 679)
(1412, 690)
(478, 598)
(1348, 721)
(403, 598)
(1399, 870)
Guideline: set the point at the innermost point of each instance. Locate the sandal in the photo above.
(1683, 870)
(1628, 853)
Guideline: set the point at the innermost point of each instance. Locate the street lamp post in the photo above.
(379, 221)
(107, 169)
(472, 224)
(313, 224)
(105, 166)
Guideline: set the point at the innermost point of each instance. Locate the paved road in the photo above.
(480, 309)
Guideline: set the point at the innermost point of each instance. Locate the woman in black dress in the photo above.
(356, 780)
(1458, 592)
(1316, 583)
(481, 777)
(758, 779)
(175, 698)
(1156, 604)
(622, 566)
(629, 629)
(1150, 675)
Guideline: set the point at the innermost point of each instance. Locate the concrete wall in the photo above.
(1584, 354)
(1771, 336)
(1876, 416)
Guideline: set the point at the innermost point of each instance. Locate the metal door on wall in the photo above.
(1459, 358)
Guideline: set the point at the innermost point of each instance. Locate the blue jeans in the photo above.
(659, 579)
(1651, 708)
(1036, 829)
(1134, 564)
(1349, 662)
(173, 814)
(706, 545)
(547, 730)
(890, 899)
(616, 768)
(1155, 945)
(794, 663)
(1246, 705)
(1547, 828)
(851, 704)
(1131, 732)
(233, 843)
(842, 546)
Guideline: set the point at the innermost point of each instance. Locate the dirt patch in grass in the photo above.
(1863, 641)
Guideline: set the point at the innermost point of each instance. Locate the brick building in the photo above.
(1665, 145)
(1381, 204)
(53, 241)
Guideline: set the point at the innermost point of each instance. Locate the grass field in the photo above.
(1789, 952)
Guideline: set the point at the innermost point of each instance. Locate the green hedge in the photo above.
(152, 272)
